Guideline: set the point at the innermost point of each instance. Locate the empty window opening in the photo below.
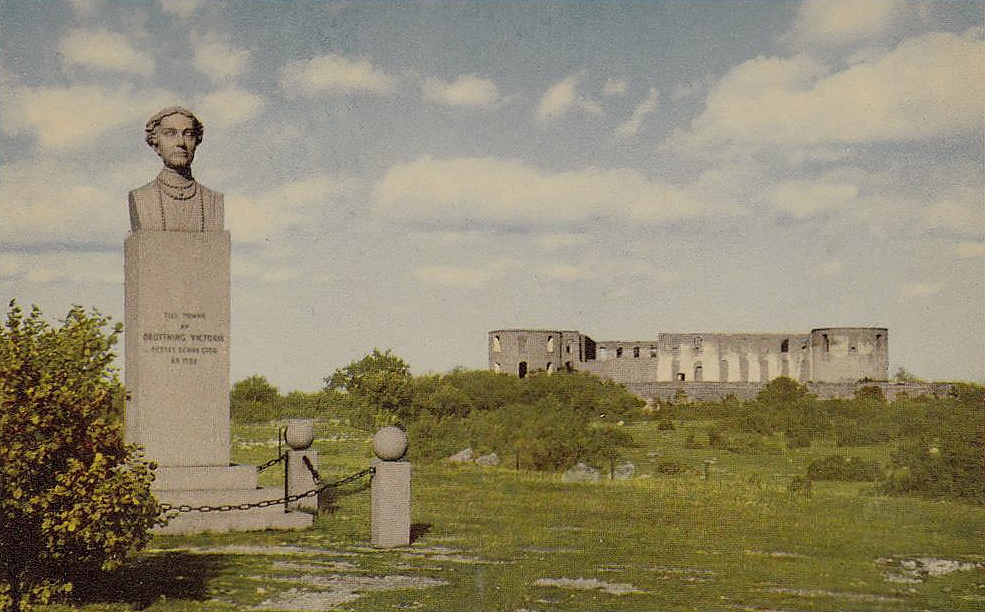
(785, 346)
(550, 344)
(851, 348)
(522, 369)
(698, 373)
(569, 366)
(653, 352)
(550, 367)
(827, 343)
(619, 351)
(567, 349)
(497, 345)
(680, 376)
(697, 342)
(878, 341)
(636, 352)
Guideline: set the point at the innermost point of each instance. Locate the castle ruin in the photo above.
(830, 360)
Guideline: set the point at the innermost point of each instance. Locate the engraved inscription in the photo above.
(183, 346)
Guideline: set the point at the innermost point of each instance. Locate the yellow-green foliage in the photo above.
(73, 496)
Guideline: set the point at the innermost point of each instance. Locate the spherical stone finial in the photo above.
(300, 433)
(390, 443)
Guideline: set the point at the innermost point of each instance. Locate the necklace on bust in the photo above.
(176, 186)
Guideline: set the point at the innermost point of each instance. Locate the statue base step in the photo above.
(221, 486)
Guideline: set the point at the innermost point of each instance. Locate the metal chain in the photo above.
(272, 462)
(175, 510)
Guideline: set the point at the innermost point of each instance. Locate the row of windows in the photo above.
(521, 342)
(696, 343)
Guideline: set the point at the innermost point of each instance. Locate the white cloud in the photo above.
(229, 107)
(65, 118)
(44, 202)
(562, 272)
(805, 198)
(101, 49)
(85, 8)
(451, 276)
(833, 23)
(830, 267)
(219, 60)
(491, 191)
(615, 87)
(970, 249)
(629, 127)
(467, 90)
(928, 87)
(181, 8)
(292, 205)
(335, 74)
(64, 267)
(962, 211)
(921, 289)
(557, 241)
(563, 97)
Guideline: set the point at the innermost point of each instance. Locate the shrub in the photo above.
(850, 469)
(942, 456)
(73, 497)
(665, 425)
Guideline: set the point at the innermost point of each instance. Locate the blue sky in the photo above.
(411, 175)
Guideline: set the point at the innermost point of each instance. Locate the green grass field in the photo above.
(496, 539)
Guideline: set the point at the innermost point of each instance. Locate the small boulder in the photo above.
(581, 472)
(462, 456)
(490, 460)
(624, 471)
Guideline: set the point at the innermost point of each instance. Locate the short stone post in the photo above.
(390, 490)
(300, 434)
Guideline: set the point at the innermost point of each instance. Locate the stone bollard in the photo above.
(390, 525)
(300, 434)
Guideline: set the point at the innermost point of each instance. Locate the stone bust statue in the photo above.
(175, 201)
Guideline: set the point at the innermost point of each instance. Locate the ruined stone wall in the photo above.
(832, 355)
(846, 354)
(520, 351)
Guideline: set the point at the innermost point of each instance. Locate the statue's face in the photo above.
(176, 141)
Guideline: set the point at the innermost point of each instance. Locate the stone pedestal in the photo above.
(177, 378)
(300, 478)
(177, 346)
(390, 504)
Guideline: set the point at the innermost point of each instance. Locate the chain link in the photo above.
(173, 511)
(272, 462)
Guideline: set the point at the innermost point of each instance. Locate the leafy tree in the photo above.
(254, 399)
(381, 380)
(73, 496)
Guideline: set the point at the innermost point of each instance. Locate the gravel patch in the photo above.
(815, 593)
(589, 584)
(917, 569)
(334, 590)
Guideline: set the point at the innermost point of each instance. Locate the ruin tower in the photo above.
(849, 354)
(520, 351)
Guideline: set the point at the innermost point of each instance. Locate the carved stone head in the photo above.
(174, 132)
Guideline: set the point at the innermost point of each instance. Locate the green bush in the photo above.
(851, 469)
(941, 454)
(74, 498)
